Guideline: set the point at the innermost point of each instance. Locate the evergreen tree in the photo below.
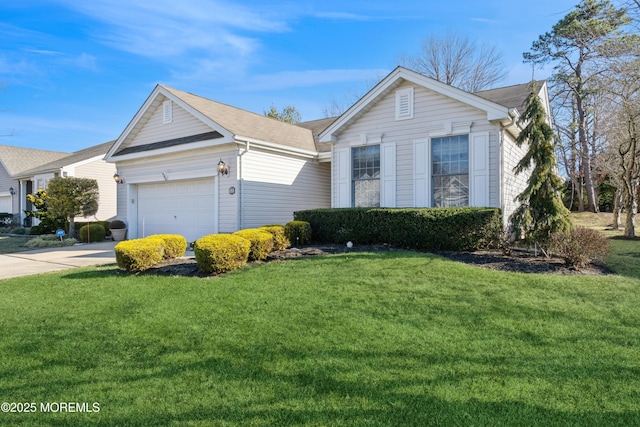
(541, 210)
(71, 197)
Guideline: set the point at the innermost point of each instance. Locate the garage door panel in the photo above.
(182, 207)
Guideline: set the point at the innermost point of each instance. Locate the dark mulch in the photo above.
(518, 261)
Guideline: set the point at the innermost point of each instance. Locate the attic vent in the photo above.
(167, 112)
(404, 104)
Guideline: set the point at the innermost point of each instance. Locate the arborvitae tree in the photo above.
(541, 211)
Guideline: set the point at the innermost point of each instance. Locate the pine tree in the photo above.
(541, 211)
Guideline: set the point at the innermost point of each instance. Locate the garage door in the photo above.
(5, 204)
(177, 207)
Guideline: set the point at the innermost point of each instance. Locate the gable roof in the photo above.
(231, 124)
(18, 159)
(316, 127)
(494, 110)
(70, 159)
(511, 96)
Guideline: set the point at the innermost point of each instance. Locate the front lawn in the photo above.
(393, 338)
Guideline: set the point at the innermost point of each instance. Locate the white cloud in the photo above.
(307, 78)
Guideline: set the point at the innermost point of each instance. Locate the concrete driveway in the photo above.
(55, 259)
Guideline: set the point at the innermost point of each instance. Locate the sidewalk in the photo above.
(55, 259)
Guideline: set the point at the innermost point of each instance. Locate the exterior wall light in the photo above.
(223, 169)
(12, 191)
(117, 178)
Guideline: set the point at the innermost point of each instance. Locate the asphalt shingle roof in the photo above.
(69, 159)
(17, 160)
(511, 96)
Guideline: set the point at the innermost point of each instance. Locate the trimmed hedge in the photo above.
(175, 245)
(79, 224)
(139, 254)
(261, 242)
(217, 253)
(280, 241)
(92, 233)
(450, 229)
(298, 232)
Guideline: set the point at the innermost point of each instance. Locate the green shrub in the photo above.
(117, 224)
(79, 224)
(280, 241)
(20, 231)
(217, 253)
(453, 229)
(92, 233)
(175, 245)
(261, 242)
(139, 254)
(580, 246)
(47, 242)
(298, 232)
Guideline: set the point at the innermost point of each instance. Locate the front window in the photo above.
(450, 166)
(366, 176)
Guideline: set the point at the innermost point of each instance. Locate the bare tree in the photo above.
(458, 61)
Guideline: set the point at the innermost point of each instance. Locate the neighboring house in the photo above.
(168, 161)
(86, 163)
(14, 161)
(415, 142)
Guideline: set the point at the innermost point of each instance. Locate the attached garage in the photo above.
(5, 204)
(185, 207)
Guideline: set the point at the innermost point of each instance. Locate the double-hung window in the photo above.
(365, 162)
(450, 171)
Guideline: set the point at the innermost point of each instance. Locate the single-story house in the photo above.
(193, 166)
(13, 162)
(412, 141)
(85, 163)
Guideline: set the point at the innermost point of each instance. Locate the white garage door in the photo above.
(5, 204)
(180, 207)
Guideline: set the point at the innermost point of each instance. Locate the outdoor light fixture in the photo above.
(117, 178)
(12, 191)
(223, 169)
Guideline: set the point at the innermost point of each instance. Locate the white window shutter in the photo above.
(342, 186)
(479, 169)
(388, 175)
(421, 179)
(404, 104)
(167, 112)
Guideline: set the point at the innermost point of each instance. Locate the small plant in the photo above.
(580, 246)
(139, 254)
(175, 245)
(48, 242)
(280, 241)
(117, 225)
(20, 231)
(92, 233)
(298, 232)
(217, 253)
(261, 242)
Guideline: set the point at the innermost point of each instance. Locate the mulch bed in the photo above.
(518, 261)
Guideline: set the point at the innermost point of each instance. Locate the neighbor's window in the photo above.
(450, 166)
(366, 176)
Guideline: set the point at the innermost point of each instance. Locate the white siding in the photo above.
(275, 185)
(513, 185)
(103, 173)
(434, 114)
(155, 130)
(5, 183)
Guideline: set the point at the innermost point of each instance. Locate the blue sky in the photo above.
(73, 73)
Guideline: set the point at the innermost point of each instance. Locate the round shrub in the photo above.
(280, 241)
(298, 232)
(261, 242)
(117, 224)
(217, 253)
(580, 246)
(139, 254)
(92, 233)
(175, 245)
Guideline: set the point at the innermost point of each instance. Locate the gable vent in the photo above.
(167, 112)
(404, 104)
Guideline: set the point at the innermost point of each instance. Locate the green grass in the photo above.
(394, 338)
(13, 244)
